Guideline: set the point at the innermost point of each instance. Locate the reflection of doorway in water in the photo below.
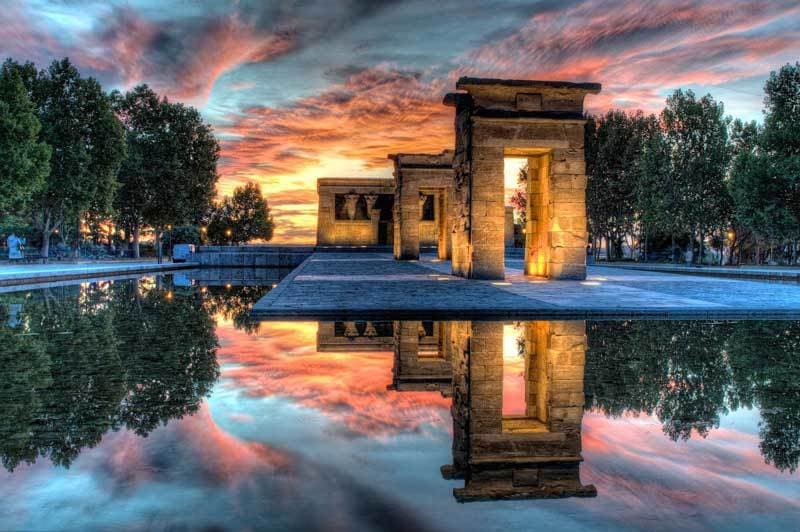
(514, 400)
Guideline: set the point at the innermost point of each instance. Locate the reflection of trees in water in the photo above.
(234, 303)
(689, 373)
(82, 360)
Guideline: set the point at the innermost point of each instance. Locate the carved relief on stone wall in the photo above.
(351, 201)
(371, 199)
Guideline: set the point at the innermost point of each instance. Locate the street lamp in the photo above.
(229, 233)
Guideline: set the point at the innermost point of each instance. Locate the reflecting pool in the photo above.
(157, 403)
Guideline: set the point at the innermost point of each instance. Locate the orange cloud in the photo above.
(348, 387)
(349, 129)
(640, 50)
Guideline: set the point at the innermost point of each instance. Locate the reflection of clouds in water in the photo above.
(193, 474)
(642, 473)
(349, 388)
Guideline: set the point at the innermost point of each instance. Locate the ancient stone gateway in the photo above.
(422, 203)
(542, 121)
(535, 453)
(355, 211)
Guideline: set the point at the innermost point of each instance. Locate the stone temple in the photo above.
(454, 200)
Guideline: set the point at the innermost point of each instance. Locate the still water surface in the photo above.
(158, 404)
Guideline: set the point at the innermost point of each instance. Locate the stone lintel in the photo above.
(378, 182)
(468, 83)
(559, 116)
(516, 98)
(433, 161)
(456, 99)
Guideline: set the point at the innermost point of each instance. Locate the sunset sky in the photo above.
(300, 90)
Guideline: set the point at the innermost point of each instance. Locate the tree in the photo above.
(241, 218)
(696, 132)
(519, 200)
(171, 173)
(614, 149)
(86, 140)
(24, 160)
(659, 199)
(765, 176)
(82, 360)
(139, 111)
(781, 138)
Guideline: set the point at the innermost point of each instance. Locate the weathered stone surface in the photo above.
(347, 231)
(416, 174)
(536, 455)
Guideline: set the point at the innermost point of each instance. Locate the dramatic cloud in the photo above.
(347, 387)
(331, 88)
(640, 50)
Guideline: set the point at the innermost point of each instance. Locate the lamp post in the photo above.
(169, 230)
(203, 232)
(731, 238)
(229, 233)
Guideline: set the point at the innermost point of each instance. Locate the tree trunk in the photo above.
(700, 254)
(136, 248)
(77, 250)
(46, 232)
(645, 246)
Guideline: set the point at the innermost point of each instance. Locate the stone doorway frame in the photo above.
(541, 120)
(416, 174)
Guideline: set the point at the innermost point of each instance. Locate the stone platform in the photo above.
(28, 274)
(374, 285)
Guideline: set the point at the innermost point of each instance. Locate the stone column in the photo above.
(445, 223)
(534, 118)
(532, 456)
(568, 234)
(351, 201)
(370, 199)
(410, 212)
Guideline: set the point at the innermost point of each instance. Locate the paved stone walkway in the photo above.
(375, 285)
(772, 273)
(24, 274)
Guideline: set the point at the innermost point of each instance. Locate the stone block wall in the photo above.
(415, 174)
(333, 232)
(541, 120)
(251, 256)
(354, 339)
(536, 455)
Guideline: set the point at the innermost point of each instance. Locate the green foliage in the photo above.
(171, 173)
(765, 176)
(520, 198)
(696, 132)
(234, 303)
(79, 361)
(614, 146)
(86, 140)
(241, 218)
(24, 160)
(689, 373)
(185, 234)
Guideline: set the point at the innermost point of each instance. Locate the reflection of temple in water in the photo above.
(533, 453)
(517, 410)
(422, 359)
